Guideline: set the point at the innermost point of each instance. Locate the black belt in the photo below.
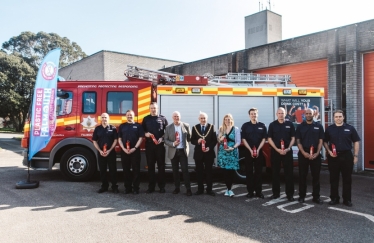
(344, 151)
(180, 148)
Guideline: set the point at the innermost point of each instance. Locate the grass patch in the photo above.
(7, 130)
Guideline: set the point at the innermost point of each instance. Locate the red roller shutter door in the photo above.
(368, 108)
(309, 74)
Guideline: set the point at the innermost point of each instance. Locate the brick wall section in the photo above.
(89, 68)
(116, 63)
(108, 65)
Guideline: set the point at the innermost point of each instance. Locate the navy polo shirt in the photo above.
(105, 135)
(253, 133)
(130, 132)
(279, 131)
(155, 125)
(309, 134)
(342, 136)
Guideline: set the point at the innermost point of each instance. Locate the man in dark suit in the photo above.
(204, 138)
(177, 136)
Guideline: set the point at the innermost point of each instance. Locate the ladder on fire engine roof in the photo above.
(237, 79)
(252, 79)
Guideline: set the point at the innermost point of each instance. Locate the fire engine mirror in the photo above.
(62, 94)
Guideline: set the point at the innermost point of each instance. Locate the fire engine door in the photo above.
(66, 113)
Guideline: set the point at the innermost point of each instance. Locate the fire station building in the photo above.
(341, 60)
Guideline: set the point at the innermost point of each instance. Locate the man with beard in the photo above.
(309, 139)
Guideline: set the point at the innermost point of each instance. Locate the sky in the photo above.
(177, 30)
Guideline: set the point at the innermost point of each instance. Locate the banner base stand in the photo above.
(27, 184)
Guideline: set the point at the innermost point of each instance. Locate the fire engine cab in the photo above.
(80, 104)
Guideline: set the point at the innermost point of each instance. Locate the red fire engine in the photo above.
(80, 104)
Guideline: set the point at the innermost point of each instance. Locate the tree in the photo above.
(33, 47)
(19, 63)
(17, 79)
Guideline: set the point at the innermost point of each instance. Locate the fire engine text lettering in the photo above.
(38, 112)
(45, 116)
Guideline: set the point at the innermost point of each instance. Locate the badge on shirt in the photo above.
(260, 128)
(347, 130)
(288, 127)
(316, 128)
(134, 127)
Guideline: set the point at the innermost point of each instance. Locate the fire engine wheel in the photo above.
(78, 164)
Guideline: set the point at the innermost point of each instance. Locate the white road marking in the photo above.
(282, 198)
(306, 206)
(368, 216)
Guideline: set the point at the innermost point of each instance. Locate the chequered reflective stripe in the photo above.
(144, 99)
(240, 91)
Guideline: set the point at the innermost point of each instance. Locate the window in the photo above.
(89, 102)
(64, 103)
(119, 102)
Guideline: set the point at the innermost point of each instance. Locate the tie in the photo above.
(203, 129)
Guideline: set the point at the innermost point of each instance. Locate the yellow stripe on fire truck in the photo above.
(240, 91)
(144, 99)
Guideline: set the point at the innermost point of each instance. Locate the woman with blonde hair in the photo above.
(228, 156)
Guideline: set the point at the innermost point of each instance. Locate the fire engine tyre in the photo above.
(78, 164)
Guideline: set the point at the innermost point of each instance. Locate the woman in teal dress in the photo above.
(228, 159)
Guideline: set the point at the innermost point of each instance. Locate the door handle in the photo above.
(69, 128)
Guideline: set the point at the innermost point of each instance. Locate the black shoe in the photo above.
(136, 192)
(189, 192)
(211, 193)
(291, 199)
(260, 195)
(348, 203)
(250, 195)
(302, 200)
(162, 190)
(101, 190)
(274, 196)
(115, 190)
(149, 191)
(317, 201)
(176, 191)
(334, 202)
(199, 193)
(128, 191)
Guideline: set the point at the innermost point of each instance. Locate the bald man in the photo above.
(177, 136)
(105, 139)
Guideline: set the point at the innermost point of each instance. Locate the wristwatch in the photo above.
(355, 155)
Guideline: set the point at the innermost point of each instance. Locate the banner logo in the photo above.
(49, 70)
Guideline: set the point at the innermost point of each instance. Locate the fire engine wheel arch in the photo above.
(78, 164)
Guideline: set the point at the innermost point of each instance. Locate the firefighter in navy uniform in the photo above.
(105, 139)
(130, 137)
(309, 140)
(281, 137)
(253, 134)
(154, 127)
(339, 138)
